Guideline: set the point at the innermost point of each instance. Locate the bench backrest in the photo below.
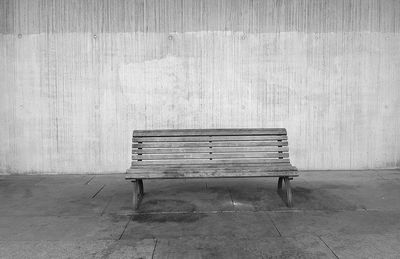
(209, 146)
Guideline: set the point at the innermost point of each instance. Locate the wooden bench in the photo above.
(210, 153)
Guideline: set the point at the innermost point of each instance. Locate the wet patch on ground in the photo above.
(247, 194)
(321, 199)
(166, 205)
(168, 217)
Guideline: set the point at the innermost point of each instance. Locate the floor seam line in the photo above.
(328, 247)
(98, 191)
(87, 182)
(104, 210)
(126, 225)
(273, 223)
(154, 249)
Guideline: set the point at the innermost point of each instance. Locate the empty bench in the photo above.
(210, 153)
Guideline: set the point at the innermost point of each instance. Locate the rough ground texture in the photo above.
(336, 214)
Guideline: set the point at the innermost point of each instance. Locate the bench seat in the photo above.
(209, 171)
(210, 153)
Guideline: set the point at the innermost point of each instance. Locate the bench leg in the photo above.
(135, 196)
(141, 189)
(288, 192)
(280, 183)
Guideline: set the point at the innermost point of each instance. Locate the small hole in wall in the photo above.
(170, 37)
(243, 36)
(95, 36)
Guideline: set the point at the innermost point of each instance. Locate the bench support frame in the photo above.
(138, 192)
(288, 188)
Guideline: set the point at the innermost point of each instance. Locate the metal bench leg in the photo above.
(135, 196)
(280, 183)
(288, 192)
(141, 189)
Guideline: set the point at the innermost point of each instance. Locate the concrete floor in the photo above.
(336, 214)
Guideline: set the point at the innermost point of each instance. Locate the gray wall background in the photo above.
(76, 77)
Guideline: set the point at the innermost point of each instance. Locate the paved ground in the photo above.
(336, 214)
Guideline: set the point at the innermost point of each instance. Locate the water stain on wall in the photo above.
(76, 79)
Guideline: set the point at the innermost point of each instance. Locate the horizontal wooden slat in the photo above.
(209, 132)
(211, 166)
(204, 161)
(255, 166)
(226, 170)
(210, 153)
(213, 144)
(208, 138)
(207, 150)
(208, 156)
(221, 172)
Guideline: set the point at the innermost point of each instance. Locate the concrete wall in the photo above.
(76, 77)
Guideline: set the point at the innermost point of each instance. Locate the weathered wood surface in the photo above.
(219, 167)
(199, 161)
(213, 144)
(214, 165)
(233, 173)
(207, 150)
(208, 156)
(204, 147)
(209, 132)
(211, 160)
(214, 161)
(209, 138)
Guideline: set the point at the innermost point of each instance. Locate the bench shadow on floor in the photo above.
(226, 195)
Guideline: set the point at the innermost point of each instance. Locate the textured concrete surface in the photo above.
(77, 77)
(337, 214)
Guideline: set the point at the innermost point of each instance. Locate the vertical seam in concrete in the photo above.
(154, 249)
(273, 223)
(126, 225)
(328, 247)
(230, 195)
